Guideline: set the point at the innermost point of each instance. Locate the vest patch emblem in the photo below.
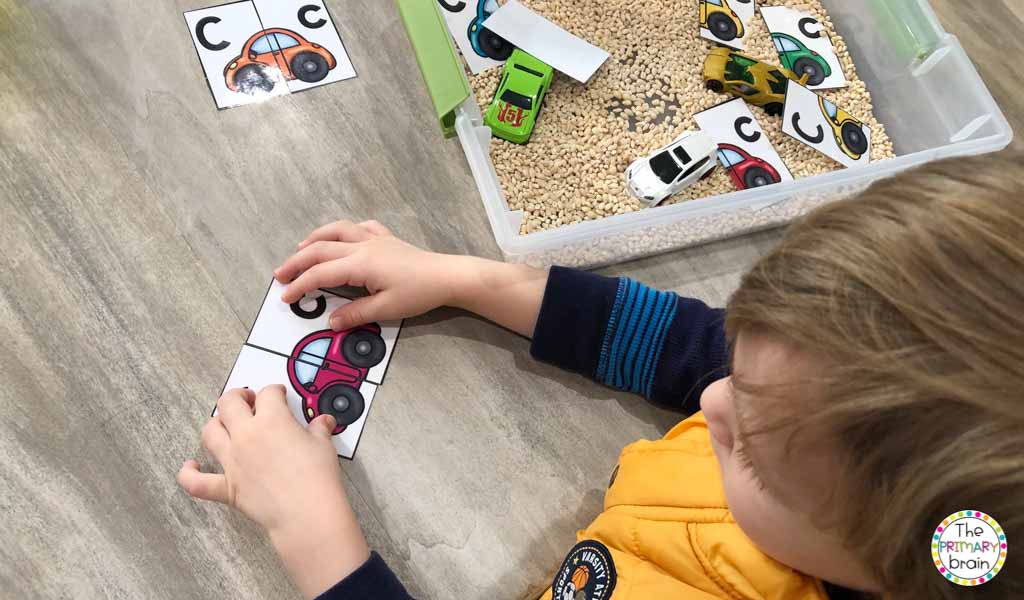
(587, 573)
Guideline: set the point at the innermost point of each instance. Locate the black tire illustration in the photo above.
(363, 349)
(253, 79)
(344, 403)
(854, 138)
(494, 45)
(757, 177)
(309, 67)
(775, 108)
(723, 27)
(805, 66)
(715, 86)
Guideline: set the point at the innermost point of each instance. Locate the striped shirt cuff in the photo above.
(635, 337)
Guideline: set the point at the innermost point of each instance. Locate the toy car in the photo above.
(756, 82)
(800, 59)
(327, 367)
(689, 158)
(281, 49)
(745, 170)
(848, 131)
(721, 20)
(485, 42)
(513, 112)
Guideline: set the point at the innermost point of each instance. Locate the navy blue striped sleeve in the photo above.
(372, 581)
(628, 336)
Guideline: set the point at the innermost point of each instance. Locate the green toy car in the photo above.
(513, 112)
(800, 59)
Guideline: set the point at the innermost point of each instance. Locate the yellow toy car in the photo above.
(849, 131)
(727, 71)
(717, 17)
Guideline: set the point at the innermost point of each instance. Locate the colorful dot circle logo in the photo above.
(969, 548)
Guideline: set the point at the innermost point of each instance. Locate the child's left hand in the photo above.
(286, 478)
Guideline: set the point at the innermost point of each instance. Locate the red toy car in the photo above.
(746, 171)
(327, 367)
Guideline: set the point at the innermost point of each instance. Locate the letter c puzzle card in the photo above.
(323, 371)
(256, 49)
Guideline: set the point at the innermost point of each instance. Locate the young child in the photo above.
(877, 363)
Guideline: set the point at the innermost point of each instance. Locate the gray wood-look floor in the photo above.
(138, 228)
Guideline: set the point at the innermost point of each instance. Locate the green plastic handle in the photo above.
(439, 63)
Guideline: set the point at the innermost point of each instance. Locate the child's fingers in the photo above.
(339, 231)
(330, 274)
(358, 312)
(272, 400)
(215, 438)
(313, 254)
(375, 227)
(234, 407)
(205, 486)
(323, 426)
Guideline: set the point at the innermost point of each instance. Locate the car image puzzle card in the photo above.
(255, 369)
(726, 22)
(803, 47)
(817, 122)
(303, 35)
(744, 149)
(224, 37)
(323, 371)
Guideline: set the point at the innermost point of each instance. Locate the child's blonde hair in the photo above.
(910, 299)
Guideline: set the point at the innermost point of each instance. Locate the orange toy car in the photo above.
(251, 72)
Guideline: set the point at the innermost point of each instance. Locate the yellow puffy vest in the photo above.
(667, 533)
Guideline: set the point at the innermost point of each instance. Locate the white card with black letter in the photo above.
(226, 38)
(303, 34)
(744, 150)
(819, 123)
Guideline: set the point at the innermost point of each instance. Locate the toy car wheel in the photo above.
(723, 27)
(775, 109)
(253, 79)
(494, 45)
(757, 177)
(854, 139)
(309, 67)
(710, 172)
(343, 402)
(805, 66)
(715, 85)
(363, 349)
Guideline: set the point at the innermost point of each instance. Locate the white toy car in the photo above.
(690, 158)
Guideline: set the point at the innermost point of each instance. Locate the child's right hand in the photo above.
(405, 281)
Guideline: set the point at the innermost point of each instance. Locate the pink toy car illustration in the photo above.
(327, 367)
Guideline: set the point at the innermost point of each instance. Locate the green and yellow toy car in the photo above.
(800, 59)
(727, 71)
(848, 131)
(513, 112)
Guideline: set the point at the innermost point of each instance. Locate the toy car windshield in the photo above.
(665, 168)
(519, 100)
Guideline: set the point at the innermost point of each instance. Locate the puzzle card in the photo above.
(743, 148)
(804, 47)
(238, 61)
(818, 122)
(302, 329)
(310, 391)
(481, 48)
(303, 36)
(726, 22)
